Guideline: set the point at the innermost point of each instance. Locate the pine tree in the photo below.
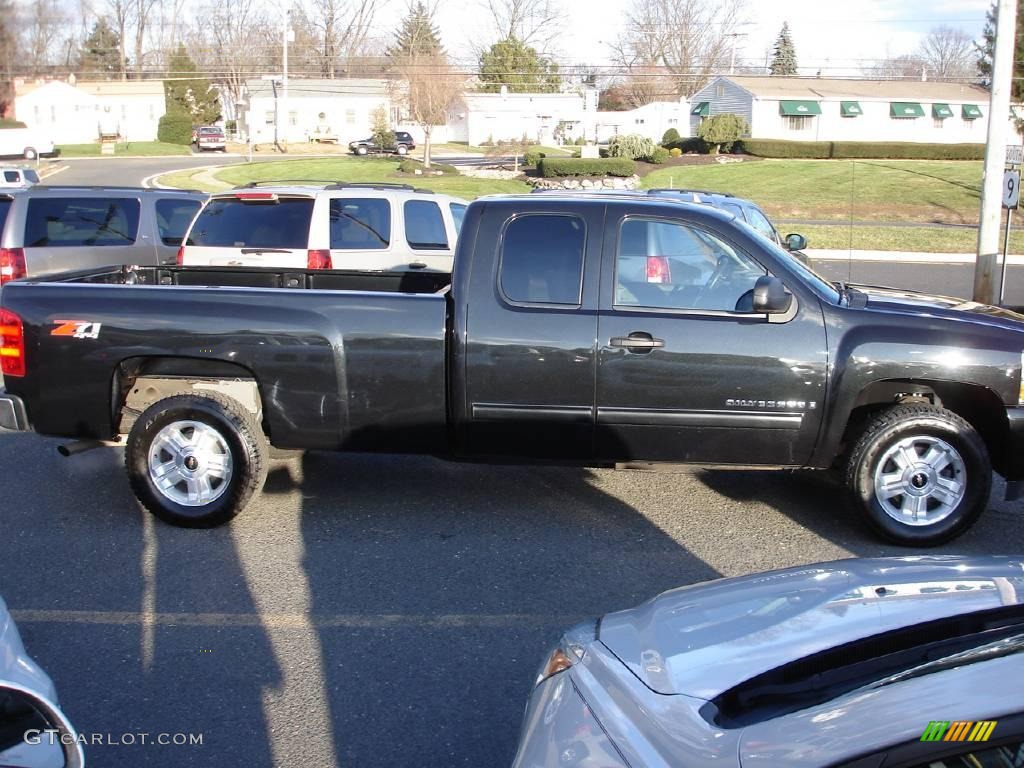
(100, 53)
(784, 62)
(514, 64)
(185, 92)
(987, 50)
(417, 36)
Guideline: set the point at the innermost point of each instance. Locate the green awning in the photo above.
(850, 109)
(971, 111)
(799, 108)
(941, 111)
(905, 109)
(702, 108)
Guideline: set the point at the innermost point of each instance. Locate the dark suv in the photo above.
(403, 144)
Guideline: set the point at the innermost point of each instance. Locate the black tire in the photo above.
(29, 153)
(241, 435)
(361, 150)
(883, 433)
(402, 149)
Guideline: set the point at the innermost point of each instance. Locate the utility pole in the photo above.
(284, 79)
(986, 278)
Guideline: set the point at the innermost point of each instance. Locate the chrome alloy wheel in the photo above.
(190, 463)
(920, 480)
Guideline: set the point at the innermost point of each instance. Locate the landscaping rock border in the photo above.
(571, 182)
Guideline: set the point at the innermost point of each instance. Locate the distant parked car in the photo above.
(209, 137)
(26, 143)
(47, 229)
(378, 227)
(403, 145)
(895, 662)
(18, 178)
(34, 733)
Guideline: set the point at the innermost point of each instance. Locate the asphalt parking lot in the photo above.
(370, 610)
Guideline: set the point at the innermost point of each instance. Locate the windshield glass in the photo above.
(819, 283)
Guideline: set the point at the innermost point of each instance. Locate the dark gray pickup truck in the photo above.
(592, 330)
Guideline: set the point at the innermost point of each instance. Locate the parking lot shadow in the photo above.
(436, 589)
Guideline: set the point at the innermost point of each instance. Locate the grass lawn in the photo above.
(927, 239)
(131, 148)
(913, 190)
(358, 169)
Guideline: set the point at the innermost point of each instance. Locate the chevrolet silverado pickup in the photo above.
(594, 330)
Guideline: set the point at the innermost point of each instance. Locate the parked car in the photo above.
(50, 229)
(34, 732)
(548, 345)
(864, 663)
(18, 178)
(26, 143)
(403, 145)
(330, 226)
(209, 137)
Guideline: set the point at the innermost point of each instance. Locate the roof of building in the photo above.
(97, 87)
(319, 88)
(771, 87)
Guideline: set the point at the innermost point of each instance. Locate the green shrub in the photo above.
(569, 166)
(408, 165)
(175, 128)
(658, 156)
(5, 123)
(580, 141)
(692, 144)
(632, 146)
(532, 157)
(851, 150)
(722, 131)
(671, 137)
(675, 152)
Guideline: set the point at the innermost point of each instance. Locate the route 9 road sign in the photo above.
(1011, 189)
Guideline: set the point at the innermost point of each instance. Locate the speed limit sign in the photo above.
(1011, 189)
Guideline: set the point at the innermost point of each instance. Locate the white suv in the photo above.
(371, 227)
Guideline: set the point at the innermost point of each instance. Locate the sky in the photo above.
(833, 35)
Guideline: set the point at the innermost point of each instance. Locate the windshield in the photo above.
(821, 286)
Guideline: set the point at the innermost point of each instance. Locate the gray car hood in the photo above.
(704, 639)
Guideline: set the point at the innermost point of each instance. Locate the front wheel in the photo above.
(919, 475)
(361, 150)
(196, 461)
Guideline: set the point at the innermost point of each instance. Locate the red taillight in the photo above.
(267, 197)
(318, 259)
(180, 258)
(12, 264)
(12, 344)
(658, 270)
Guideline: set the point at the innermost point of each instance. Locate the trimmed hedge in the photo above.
(532, 156)
(175, 128)
(657, 157)
(550, 167)
(692, 144)
(409, 165)
(848, 150)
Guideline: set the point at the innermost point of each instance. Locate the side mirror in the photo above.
(795, 242)
(770, 296)
(34, 732)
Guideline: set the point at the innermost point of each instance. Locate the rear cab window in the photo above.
(542, 259)
(56, 222)
(359, 223)
(232, 222)
(173, 217)
(12, 177)
(424, 226)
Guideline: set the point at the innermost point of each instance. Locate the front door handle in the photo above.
(639, 341)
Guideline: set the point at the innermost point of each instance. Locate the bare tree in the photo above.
(905, 67)
(426, 88)
(537, 23)
(949, 54)
(120, 12)
(43, 25)
(336, 31)
(688, 39)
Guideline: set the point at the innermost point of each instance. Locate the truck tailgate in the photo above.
(335, 369)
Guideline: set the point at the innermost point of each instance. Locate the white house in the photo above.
(831, 109)
(650, 120)
(75, 113)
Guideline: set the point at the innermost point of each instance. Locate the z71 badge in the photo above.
(76, 329)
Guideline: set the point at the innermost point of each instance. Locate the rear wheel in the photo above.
(919, 475)
(196, 461)
(402, 149)
(361, 150)
(29, 153)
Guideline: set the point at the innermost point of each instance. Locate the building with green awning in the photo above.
(971, 111)
(907, 109)
(702, 108)
(799, 108)
(850, 109)
(941, 111)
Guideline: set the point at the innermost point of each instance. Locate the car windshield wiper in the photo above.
(994, 650)
(364, 225)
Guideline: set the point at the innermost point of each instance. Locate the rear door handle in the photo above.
(638, 340)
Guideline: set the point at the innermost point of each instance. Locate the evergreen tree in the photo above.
(784, 62)
(986, 51)
(185, 92)
(100, 53)
(417, 36)
(514, 64)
